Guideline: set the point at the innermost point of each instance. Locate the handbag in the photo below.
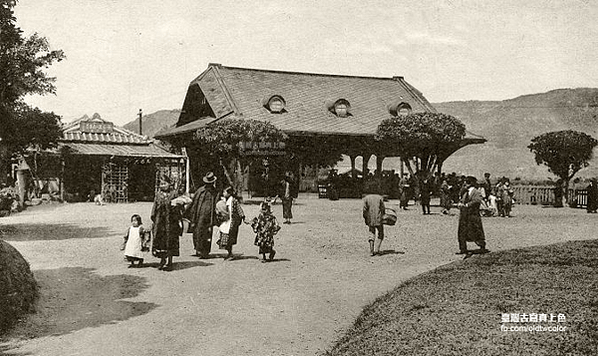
(389, 217)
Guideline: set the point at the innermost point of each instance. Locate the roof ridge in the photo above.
(302, 73)
(415, 93)
(131, 133)
(227, 94)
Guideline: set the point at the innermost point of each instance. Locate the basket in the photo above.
(389, 217)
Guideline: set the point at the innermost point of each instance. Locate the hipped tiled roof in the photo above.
(240, 92)
(115, 137)
(118, 142)
(306, 95)
(72, 132)
(118, 150)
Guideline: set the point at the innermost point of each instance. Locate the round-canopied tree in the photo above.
(564, 153)
(236, 144)
(421, 139)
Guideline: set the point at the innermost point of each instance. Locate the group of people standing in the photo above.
(208, 209)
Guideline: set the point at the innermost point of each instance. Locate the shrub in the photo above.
(18, 288)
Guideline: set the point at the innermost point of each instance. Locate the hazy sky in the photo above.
(123, 55)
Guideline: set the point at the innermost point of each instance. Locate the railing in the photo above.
(544, 195)
(534, 194)
(578, 198)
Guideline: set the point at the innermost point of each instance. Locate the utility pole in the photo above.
(140, 124)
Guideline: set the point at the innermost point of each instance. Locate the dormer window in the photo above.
(400, 109)
(340, 108)
(404, 109)
(275, 104)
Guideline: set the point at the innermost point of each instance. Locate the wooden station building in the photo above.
(313, 109)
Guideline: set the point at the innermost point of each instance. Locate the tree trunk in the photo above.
(233, 174)
(4, 164)
(566, 191)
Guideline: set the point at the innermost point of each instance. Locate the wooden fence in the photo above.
(544, 195)
(534, 194)
(578, 198)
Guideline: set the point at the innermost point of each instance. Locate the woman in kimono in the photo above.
(167, 218)
(265, 226)
(229, 227)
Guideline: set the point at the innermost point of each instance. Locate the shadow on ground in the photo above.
(390, 252)
(74, 298)
(7, 348)
(34, 232)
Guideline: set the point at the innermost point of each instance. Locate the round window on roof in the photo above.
(342, 108)
(403, 109)
(400, 109)
(276, 104)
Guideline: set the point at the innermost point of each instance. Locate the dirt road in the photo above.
(323, 276)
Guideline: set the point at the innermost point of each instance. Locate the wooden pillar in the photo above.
(187, 170)
(379, 160)
(402, 167)
(366, 160)
(61, 185)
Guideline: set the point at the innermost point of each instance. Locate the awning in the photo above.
(98, 149)
(187, 128)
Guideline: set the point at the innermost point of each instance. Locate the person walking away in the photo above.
(373, 210)
(167, 218)
(136, 242)
(425, 193)
(470, 222)
(592, 190)
(202, 215)
(265, 226)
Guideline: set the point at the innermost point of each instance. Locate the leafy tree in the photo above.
(421, 139)
(22, 64)
(316, 151)
(563, 152)
(237, 144)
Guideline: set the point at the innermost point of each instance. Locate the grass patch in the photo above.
(456, 309)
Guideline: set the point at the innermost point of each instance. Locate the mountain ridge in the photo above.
(508, 125)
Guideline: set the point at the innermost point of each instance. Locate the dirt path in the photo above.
(92, 304)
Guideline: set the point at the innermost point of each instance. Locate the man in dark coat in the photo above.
(203, 215)
(470, 221)
(592, 189)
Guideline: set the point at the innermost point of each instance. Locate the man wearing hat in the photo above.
(203, 215)
(470, 221)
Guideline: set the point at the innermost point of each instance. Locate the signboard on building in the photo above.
(97, 127)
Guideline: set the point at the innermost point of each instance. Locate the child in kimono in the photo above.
(265, 226)
(136, 242)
